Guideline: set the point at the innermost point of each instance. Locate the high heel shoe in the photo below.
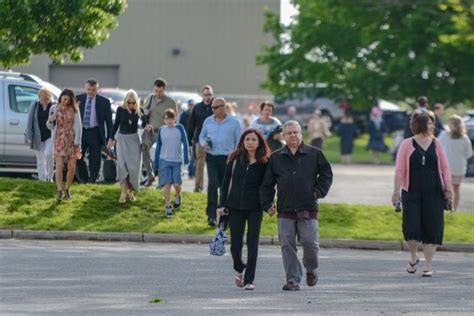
(68, 194)
(59, 196)
(122, 199)
(131, 197)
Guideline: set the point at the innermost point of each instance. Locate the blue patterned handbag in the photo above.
(217, 245)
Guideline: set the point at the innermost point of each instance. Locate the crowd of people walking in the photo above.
(247, 166)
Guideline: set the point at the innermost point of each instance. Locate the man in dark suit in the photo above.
(96, 115)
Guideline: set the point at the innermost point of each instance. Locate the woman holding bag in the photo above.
(38, 135)
(240, 200)
(65, 122)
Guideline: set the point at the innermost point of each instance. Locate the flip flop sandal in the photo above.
(239, 280)
(427, 273)
(411, 267)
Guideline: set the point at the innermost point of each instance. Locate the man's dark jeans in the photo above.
(215, 173)
(192, 165)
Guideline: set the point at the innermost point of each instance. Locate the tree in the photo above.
(395, 49)
(59, 28)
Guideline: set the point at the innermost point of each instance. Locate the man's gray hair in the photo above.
(291, 123)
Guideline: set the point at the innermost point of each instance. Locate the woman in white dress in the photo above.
(458, 149)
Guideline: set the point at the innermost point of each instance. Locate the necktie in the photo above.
(87, 114)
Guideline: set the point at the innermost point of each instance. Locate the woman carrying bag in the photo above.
(38, 135)
(243, 176)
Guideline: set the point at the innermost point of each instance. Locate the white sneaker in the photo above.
(249, 287)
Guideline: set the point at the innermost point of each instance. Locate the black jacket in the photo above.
(184, 119)
(199, 114)
(301, 179)
(104, 114)
(438, 126)
(246, 180)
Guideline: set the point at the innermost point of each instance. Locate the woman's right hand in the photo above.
(395, 198)
(221, 211)
(110, 144)
(29, 142)
(52, 117)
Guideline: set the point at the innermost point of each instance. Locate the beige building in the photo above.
(188, 42)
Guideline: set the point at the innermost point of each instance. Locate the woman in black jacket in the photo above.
(240, 199)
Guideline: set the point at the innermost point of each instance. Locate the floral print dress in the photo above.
(64, 140)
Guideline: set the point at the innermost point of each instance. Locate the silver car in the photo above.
(17, 92)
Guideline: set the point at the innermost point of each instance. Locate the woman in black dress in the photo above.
(423, 174)
(377, 128)
(240, 200)
(347, 130)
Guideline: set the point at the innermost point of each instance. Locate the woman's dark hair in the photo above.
(72, 98)
(261, 155)
(419, 122)
(267, 103)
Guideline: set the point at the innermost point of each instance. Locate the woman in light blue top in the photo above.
(266, 123)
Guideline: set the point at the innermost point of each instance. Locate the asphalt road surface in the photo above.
(89, 278)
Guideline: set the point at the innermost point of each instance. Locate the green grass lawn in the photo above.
(360, 154)
(31, 205)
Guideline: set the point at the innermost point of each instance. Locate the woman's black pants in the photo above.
(237, 221)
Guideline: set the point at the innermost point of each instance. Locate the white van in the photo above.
(17, 92)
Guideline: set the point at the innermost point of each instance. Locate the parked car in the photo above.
(115, 95)
(305, 108)
(469, 122)
(17, 92)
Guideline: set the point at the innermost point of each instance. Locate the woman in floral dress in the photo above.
(65, 121)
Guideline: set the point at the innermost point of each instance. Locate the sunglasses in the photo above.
(207, 95)
(131, 102)
(217, 106)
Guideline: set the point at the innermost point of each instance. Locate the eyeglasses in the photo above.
(207, 95)
(217, 106)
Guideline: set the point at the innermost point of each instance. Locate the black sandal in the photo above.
(411, 267)
(59, 196)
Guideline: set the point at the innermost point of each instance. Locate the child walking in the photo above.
(171, 148)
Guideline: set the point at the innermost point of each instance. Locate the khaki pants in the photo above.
(200, 162)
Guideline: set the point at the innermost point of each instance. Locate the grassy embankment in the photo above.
(29, 204)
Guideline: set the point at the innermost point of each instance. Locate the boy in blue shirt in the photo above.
(171, 146)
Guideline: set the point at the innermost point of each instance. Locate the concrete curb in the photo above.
(6, 234)
(205, 239)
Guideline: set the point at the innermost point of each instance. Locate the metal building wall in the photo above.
(217, 42)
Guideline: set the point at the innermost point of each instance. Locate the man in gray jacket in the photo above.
(302, 175)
